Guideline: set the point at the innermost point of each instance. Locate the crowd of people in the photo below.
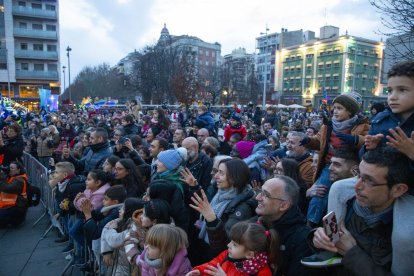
(236, 192)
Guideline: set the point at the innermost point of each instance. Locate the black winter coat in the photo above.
(241, 208)
(12, 150)
(75, 185)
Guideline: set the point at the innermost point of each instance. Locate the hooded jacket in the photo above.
(75, 185)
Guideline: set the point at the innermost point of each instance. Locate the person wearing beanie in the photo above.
(346, 129)
(244, 148)
(169, 160)
(235, 126)
(350, 101)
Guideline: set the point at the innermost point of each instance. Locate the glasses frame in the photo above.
(265, 194)
(365, 181)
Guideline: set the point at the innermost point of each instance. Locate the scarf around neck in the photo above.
(344, 125)
(219, 204)
(371, 218)
(250, 266)
(62, 185)
(156, 263)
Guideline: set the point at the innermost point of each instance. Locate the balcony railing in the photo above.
(38, 13)
(21, 32)
(37, 75)
(30, 54)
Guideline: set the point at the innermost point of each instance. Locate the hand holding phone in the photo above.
(330, 224)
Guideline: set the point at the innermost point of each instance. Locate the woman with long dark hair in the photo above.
(290, 167)
(128, 175)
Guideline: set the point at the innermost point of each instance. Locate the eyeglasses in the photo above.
(265, 194)
(214, 171)
(368, 182)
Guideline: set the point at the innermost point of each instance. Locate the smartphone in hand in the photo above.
(330, 225)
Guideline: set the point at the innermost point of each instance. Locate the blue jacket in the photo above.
(208, 120)
(259, 152)
(385, 120)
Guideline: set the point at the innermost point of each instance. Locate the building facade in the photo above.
(239, 80)
(322, 69)
(29, 50)
(268, 45)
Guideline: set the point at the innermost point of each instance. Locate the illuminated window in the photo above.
(29, 91)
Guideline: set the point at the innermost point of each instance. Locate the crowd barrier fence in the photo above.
(39, 177)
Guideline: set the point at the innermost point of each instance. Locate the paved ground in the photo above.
(23, 252)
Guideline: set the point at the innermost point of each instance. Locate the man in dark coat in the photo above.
(96, 156)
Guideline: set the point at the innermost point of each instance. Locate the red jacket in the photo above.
(229, 267)
(229, 131)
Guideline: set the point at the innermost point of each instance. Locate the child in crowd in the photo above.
(96, 186)
(165, 252)
(95, 220)
(113, 238)
(155, 211)
(395, 127)
(250, 252)
(235, 126)
(345, 128)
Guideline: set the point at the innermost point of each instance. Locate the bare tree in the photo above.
(98, 81)
(184, 83)
(398, 18)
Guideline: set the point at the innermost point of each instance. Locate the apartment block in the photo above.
(323, 69)
(29, 49)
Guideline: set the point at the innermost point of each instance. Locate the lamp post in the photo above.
(68, 49)
(64, 78)
(265, 68)
(8, 72)
(225, 94)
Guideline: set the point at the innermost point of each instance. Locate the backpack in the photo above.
(33, 195)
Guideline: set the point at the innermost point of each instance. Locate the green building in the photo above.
(322, 69)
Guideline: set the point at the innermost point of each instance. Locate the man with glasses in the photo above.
(277, 208)
(365, 234)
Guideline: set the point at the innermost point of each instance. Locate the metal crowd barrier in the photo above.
(39, 177)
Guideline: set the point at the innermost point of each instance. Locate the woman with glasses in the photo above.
(233, 202)
(128, 175)
(290, 167)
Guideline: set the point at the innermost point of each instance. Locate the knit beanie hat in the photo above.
(170, 158)
(351, 101)
(245, 148)
(236, 116)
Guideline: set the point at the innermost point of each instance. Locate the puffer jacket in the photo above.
(208, 120)
(241, 208)
(385, 120)
(93, 159)
(45, 146)
(259, 152)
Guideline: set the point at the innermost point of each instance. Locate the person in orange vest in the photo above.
(13, 197)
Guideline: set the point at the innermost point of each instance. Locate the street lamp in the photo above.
(68, 49)
(265, 69)
(64, 78)
(225, 93)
